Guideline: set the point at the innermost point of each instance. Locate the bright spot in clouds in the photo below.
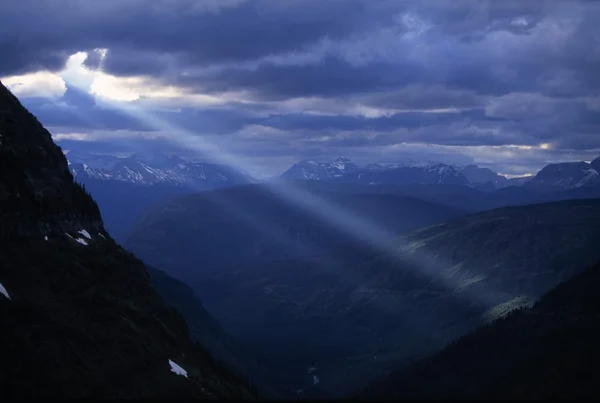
(115, 89)
(107, 87)
(40, 84)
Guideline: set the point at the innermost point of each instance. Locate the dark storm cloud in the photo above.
(386, 123)
(513, 72)
(199, 31)
(463, 40)
(424, 97)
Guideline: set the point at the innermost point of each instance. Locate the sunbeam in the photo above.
(356, 227)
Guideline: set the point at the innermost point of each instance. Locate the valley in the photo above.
(446, 256)
(393, 301)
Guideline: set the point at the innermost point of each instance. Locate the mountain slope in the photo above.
(475, 174)
(153, 168)
(344, 170)
(122, 203)
(205, 330)
(549, 351)
(318, 170)
(259, 226)
(357, 313)
(439, 174)
(353, 312)
(564, 176)
(79, 316)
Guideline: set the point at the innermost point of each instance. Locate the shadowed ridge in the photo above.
(79, 316)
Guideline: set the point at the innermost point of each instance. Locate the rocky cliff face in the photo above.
(79, 315)
(37, 193)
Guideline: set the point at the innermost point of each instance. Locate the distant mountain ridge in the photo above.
(124, 187)
(426, 173)
(439, 174)
(310, 169)
(154, 168)
(567, 175)
(553, 177)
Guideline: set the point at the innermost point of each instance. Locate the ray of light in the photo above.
(361, 230)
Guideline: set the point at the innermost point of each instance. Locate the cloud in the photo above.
(41, 84)
(283, 80)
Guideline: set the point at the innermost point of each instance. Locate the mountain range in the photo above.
(153, 168)
(269, 295)
(146, 179)
(553, 177)
(344, 170)
(124, 187)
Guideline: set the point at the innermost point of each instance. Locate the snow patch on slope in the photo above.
(85, 234)
(176, 369)
(78, 240)
(590, 174)
(3, 291)
(505, 308)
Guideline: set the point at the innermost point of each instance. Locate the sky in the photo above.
(509, 85)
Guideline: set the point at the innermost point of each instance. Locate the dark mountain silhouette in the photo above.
(79, 315)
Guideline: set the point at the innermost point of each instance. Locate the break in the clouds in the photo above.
(510, 85)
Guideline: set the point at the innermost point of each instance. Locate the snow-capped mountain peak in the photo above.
(310, 169)
(567, 175)
(153, 168)
(344, 170)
